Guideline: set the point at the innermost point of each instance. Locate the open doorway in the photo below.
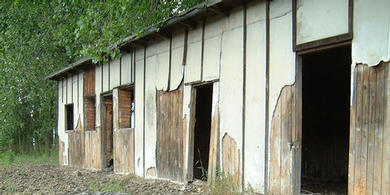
(108, 131)
(325, 120)
(202, 128)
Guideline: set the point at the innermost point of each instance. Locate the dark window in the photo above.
(69, 117)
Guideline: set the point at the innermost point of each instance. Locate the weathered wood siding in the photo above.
(76, 146)
(369, 158)
(124, 151)
(282, 149)
(281, 79)
(170, 135)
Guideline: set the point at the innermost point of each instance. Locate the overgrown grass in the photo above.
(112, 186)
(10, 158)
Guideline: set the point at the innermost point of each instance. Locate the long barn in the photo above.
(278, 96)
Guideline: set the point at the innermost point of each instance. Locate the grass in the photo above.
(112, 186)
(9, 158)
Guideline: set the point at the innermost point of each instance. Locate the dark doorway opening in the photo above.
(108, 133)
(325, 120)
(203, 109)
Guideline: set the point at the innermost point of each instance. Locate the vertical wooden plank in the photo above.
(191, 135)
(275, 137)
(372, 120)
(285, 132)
(386, 137)
(365, 129)
(359, 125)
(378, 134)
(115, 108)
(351, 161)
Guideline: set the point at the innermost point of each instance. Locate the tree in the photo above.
(39, 37)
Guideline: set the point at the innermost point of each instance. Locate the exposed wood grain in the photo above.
(214, 147)
(93, 150)
(76, 146)
(107, 130)
(231, 161)
(284, 144)
(275, 141)
(89, 82)
(124, 151)
(385, 184)
(372, 118)
(170, 135)
(368, 156)
(351, 164)
(125, 99)
(359, 118)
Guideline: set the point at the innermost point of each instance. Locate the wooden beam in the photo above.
(162, 35)
(219, 11)
(188, 24)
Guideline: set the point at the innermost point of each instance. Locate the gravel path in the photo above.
(47, 179)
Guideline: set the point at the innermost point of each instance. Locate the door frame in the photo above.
(297, 136)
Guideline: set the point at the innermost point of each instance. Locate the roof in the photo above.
(187, 19)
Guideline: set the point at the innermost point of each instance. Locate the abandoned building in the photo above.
(274, 94)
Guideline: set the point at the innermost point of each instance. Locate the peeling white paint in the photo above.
(177, 59)
(114, 73)
(187, 93)
(371, 33)
(105, 77)
(126, 73)
(194, 55)
(212, 47)
(98, 79)
(254, 168)
(231, 81)
(139, 112)
(161, 61)
(318, 19)
(282, 57)
(150, 111)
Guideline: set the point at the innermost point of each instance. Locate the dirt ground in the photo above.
(49, 179)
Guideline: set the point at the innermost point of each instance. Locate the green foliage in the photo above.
(39, 37)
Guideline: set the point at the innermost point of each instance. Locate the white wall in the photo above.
(371, 33)
(139, 111)
(255, 96)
